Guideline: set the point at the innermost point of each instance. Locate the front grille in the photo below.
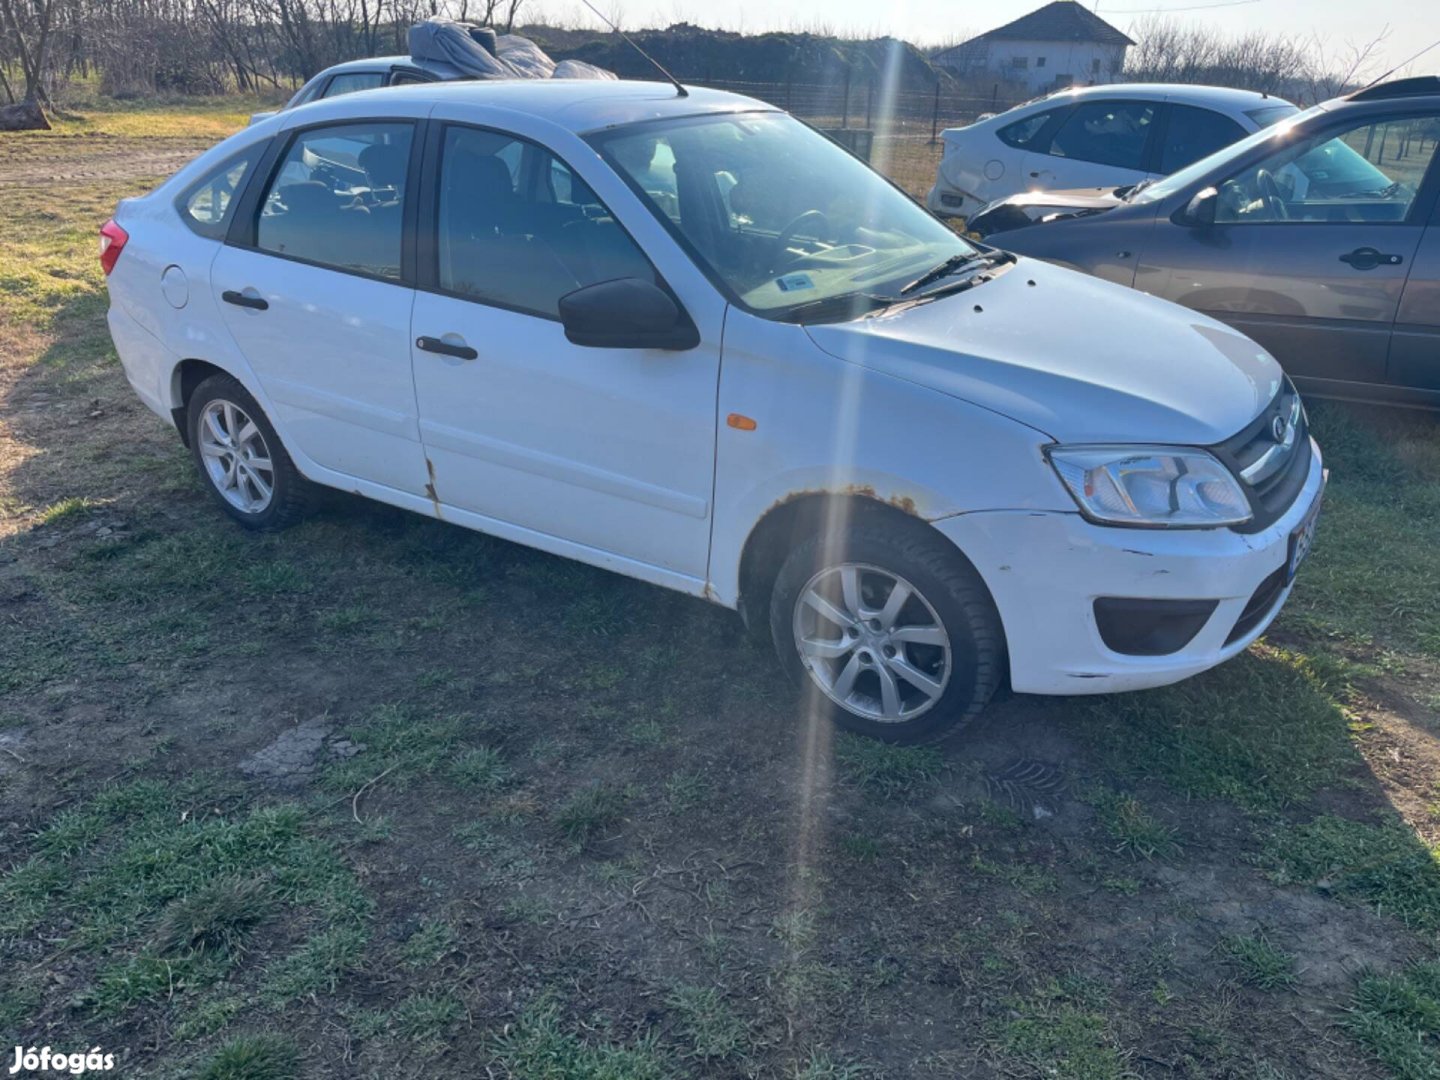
(1270, 472)
(1262, 602)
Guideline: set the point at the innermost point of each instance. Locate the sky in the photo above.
(1334, 24)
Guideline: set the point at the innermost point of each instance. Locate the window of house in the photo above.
(1095, 66)
(336, 198)
(1040, 61)
(1020, 62)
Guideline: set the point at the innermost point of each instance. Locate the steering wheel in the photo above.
(1268, 190)
(788, 232)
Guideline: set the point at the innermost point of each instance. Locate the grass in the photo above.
(1056, 1032)
(1134, 831)
(1383, 865)
(253, 1057)
(589, 811)
(1397, 1019)
(710, 1028)
(1259, 963)
(889, 771)
(540, 1047)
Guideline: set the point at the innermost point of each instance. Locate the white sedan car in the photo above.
(1097, 136)
(691, 340)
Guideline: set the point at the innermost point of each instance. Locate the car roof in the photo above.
(385, 63)
(580, 105)
(1215, 97)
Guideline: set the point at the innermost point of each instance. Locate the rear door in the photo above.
(1415, 349)
(1098, 144)
(313, 291)
(1311, 246)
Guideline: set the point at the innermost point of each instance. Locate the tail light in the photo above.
(112, 242)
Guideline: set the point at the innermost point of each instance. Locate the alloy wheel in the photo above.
(872, 643)
(236, 458)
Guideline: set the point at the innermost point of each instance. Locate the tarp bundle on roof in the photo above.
(482, 54)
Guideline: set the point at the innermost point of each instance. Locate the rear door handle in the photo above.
(444, 348)
(239, 299)
(1368, 258)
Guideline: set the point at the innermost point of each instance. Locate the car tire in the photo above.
(241, 459)
(940, 647)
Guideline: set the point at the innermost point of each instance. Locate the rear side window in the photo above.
(352, 81)
(206, 206)
(517, 228)
(337, 198)
(1194, 133)
(1106, 132)
(1022, 132)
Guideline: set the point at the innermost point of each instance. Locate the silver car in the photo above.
(1318, 237)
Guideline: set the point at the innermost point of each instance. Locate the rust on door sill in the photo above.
(430, 488)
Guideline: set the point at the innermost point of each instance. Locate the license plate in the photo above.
(1302, 539)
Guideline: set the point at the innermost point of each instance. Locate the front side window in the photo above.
(336, 198)
(1107, 133)
(775, 213)
(519, 229)
(352, 81)
(1368, 173)
(206, 206)
(1194, 133)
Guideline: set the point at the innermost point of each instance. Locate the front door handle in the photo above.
(444, 348)
(240, 299)
(1368, 258)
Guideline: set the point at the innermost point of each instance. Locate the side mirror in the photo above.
(1200, 211)
(627, 313)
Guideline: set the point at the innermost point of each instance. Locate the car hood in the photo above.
(1080, 359)
(1028, 207)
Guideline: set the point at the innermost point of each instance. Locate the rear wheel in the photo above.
(241, 459)
(890, 630)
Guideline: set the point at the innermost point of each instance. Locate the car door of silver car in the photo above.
(1309, 247)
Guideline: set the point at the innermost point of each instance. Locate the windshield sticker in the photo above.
(793, 282)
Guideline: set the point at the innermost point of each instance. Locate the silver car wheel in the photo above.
(872, 643)
(236, 457)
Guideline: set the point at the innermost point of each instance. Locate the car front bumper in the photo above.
(1045, 571)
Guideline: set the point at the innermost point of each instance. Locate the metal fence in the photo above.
(865, 103)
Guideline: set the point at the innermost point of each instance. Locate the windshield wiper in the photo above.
(1135, 189)
(954, 265)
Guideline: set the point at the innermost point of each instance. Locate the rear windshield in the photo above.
(1271, 114)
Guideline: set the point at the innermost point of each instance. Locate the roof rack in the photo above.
(1421, 84)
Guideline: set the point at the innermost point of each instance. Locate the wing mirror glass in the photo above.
(1200, 210)
(626, 313)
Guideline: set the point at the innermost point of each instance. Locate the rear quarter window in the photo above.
(1022, 132)
(206, 205)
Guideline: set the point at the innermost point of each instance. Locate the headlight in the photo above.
(1151, 485)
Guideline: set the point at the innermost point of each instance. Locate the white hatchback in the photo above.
(1096, 136)
(693, 341)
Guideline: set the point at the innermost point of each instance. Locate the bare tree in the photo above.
(28, 28)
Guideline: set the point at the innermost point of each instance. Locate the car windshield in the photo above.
(780, 217)
(1178, 181)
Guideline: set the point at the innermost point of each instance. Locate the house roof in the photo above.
(1062, 20)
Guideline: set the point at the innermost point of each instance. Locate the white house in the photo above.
(1060, 44)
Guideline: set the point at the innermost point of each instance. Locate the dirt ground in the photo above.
(380, 797)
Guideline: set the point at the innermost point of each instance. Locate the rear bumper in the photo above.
(946, 201)
(146, 362)
(1046, 570)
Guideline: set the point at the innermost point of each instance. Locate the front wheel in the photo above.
(890, 629)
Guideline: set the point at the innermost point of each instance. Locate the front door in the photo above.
(1415, 350)
(1310, 247)
(311, 291)
(610, 451)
